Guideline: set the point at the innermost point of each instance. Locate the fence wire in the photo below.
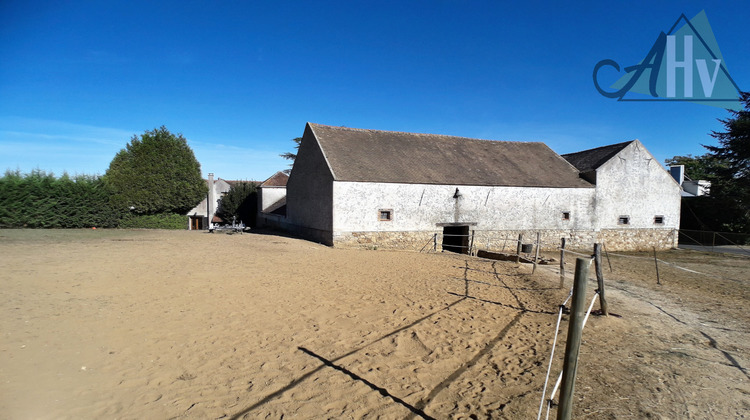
(554, 344)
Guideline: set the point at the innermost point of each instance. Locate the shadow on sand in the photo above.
(418, 409)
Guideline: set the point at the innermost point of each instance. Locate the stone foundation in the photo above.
(415, 241)
(639, 239)
(271, 221)
(506, 240)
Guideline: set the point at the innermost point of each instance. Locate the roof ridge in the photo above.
(275, 176)
(600, 147)
(236, 180)
(343, 128)
(366, 155)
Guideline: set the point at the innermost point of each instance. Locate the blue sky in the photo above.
(239, 79)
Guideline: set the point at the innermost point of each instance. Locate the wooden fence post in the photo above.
(471, 244)
(562, 263)
(434, 242)
(713, 241)
(600, 278)
(518, 248)
(656, 263)
(573, 345)
(604, 245)
(536, 255)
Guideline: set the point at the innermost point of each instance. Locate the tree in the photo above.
(698, 167)
(727, 167)
(39, 200)
(732, 184)
(156, 173)
(240, 203)
(292, 156)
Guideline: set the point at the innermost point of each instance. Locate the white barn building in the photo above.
(354, 187)
(201, 217)
(272, 200)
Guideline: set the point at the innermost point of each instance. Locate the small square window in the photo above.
(385, 215)
(623, 220)
(566, 215)
(658, 220)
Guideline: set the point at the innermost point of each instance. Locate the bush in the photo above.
(240, 202)
(39, 200)
(156, 173)
(154, 221)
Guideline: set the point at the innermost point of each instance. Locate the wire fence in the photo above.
(512, 243)
(509, 241)
(549, 398)
(628, 262)
(467, 244)
(709, 240)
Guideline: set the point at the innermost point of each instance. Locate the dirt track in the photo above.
(157, 324)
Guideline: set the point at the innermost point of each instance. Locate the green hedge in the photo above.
(39, 200)
(154, 221)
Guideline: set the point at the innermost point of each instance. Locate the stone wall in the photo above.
(281, 223)
(414, 241)
(421, 207)
(309, 200)
(634, 185)
(639, 239)
(506, 240)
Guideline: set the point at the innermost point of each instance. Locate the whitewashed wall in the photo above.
(421, 206)
(635, 184)
(270, 195)
(309, 193)
(218, 187)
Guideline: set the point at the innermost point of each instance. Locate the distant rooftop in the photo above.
(278, 179)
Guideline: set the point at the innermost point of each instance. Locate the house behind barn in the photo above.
(204, 214)
(355, 187)
(272, 200)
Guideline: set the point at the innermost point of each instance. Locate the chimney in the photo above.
(211, 204)
(678, 173)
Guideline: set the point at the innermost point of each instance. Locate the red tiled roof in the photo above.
(278, 179)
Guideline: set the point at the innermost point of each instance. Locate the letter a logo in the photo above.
(683, 65)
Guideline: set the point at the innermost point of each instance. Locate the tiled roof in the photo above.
(590, 160)
(278, 179)
(279, 207)
(235, 182)
(396, 157)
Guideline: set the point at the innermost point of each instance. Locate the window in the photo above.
(623, 220)
(566, 215)
(385, 215)
(658, 220)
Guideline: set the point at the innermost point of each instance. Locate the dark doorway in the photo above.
(456, 239)
(196, 222)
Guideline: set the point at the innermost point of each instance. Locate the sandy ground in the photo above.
(164, 324)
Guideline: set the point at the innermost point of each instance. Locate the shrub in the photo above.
(156, 173)
(154, 221)
(39, 200)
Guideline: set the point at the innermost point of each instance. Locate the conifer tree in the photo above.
(156, 173)
(730, 187)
